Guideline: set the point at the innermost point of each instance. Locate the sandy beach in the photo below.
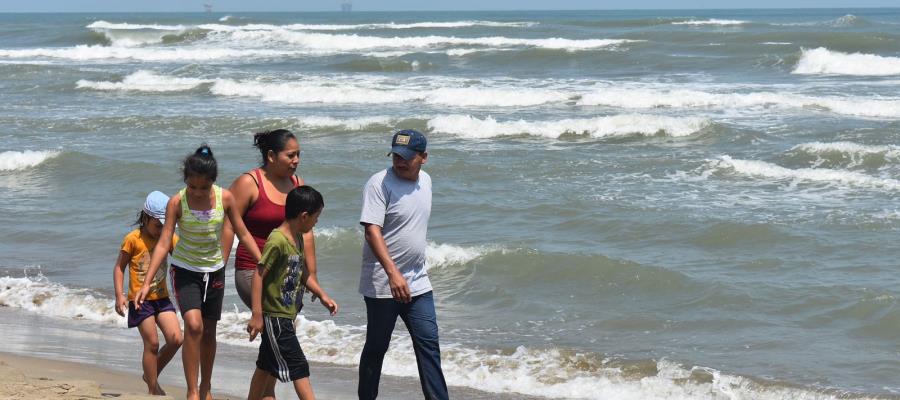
(37, 378)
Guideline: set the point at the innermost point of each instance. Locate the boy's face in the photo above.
(305, 222)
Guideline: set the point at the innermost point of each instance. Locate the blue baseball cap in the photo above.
(155, 205)
(407, 143)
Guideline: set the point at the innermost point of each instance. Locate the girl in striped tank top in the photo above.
(198, 267)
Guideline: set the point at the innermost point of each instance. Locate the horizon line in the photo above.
(466, 10)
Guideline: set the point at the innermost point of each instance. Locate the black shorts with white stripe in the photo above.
(280, 353)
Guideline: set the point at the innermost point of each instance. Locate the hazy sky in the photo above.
(392, 5)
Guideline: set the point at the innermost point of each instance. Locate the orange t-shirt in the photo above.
(140, 249)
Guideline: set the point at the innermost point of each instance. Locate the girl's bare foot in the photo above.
(157, 391)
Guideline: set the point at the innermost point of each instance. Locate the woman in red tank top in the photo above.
(260, 196)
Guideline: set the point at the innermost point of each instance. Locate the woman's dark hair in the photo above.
(303, 199)
(201, 163)
(271, 140)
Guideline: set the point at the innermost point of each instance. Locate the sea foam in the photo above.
(352, 92)
(343, 42)
(144, 81)
(319, 27)
(821, 61)
(548, 371)
(718, 22)
(18, 160)
(95, 53)
(616, 125)
(643, 98)
(776, 173)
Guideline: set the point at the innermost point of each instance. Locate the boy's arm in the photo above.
(311, 281)
(255, 326)
(118, 276)
(173, 213)
(309, 253)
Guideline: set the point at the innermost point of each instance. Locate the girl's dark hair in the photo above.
(142, 219)
(201, 163)
(271, 140)
(303, 199)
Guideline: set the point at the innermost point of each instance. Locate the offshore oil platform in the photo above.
(346, 6)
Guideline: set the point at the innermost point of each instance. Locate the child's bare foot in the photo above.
(157, 391)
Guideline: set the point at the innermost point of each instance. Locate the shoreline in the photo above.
(30, 377)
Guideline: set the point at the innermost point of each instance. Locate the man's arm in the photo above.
(399, 287)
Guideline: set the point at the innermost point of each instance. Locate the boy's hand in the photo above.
(121, 304)
(255, 326)
(141, 295)
(328, 303)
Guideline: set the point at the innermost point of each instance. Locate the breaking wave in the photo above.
(821, 61)
(18, 160)
(617, 125)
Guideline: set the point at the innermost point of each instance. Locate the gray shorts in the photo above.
(243, 281)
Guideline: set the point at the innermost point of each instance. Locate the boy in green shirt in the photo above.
(277, 295)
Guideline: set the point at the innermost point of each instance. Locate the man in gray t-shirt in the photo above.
(394, 278)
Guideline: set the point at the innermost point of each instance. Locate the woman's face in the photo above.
(286, 161)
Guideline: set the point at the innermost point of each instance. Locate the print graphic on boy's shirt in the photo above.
(289, 288)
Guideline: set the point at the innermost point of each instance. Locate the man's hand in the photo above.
(255, 326)
(399, 287)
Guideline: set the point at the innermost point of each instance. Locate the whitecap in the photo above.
(776, 173)
(718, 22)
(821, 61)
(616, 125)
(144, 81)
(18, 160)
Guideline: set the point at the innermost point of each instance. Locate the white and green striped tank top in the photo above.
(199, 247)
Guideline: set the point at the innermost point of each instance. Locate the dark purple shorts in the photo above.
(150, 308)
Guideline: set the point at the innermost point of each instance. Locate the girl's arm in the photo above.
(163, 245)
(237, 222)
(255, 326)
(311, 281)
(243, 189)
(118, 276)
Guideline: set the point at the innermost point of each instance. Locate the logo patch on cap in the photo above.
(402, 140)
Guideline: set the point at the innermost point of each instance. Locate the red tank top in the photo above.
(261, 218)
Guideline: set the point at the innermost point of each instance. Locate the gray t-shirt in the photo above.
(401, 208)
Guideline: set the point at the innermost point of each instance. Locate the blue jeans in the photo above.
(421, 322)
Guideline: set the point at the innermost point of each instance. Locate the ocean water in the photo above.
(627, 204)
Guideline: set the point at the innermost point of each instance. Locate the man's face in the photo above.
(409, 169)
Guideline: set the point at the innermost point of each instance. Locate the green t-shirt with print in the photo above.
(283, 263)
